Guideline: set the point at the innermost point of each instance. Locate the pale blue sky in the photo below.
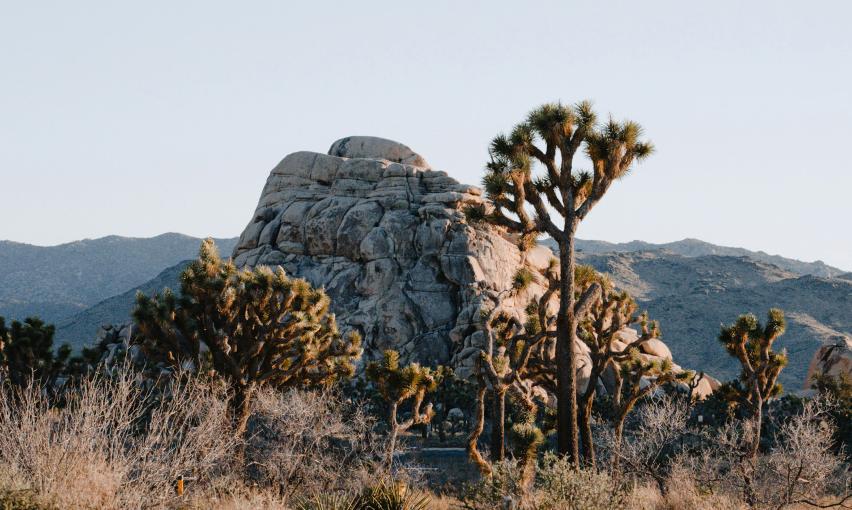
(146, 117)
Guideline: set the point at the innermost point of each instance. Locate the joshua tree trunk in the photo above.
(498, 427)
(394, 430)
(476, 431)
(757, 417)
(585, 418)
(241, 407)
(566, 378)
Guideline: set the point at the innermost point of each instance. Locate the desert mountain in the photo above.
(56, 282)
(697, 248)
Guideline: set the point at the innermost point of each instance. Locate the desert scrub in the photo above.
(558, 486)
(305, 443)
(386, 494)
(114, 444)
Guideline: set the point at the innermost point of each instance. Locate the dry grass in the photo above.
(113, 444)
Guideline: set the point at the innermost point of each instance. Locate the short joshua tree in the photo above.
(750, 342)
(397, 384)
(260, 328)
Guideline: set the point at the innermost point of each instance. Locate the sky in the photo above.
(138, 118)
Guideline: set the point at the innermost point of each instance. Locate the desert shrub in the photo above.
(800, 469)
(307, 443)
(113, 444)
(560, 487)
(490, 491)
(386, 494)
(659, 430)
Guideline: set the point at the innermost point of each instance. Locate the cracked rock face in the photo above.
(387, 239)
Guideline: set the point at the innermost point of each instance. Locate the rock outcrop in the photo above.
(834, 360)
(386, 236)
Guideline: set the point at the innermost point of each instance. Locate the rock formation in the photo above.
(387, 238)
(831, 359)
(385, 235)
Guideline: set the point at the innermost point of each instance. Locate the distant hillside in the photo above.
(690, 286)
(55, 282)
(697, 248)
(692, 296)
(80, 329)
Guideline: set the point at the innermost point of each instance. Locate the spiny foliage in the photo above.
(396, 383)
(26, 352)
(750, 342)
(259, 326)
(551, 136)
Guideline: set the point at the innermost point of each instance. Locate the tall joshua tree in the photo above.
(259, 326)
(397, 384)
(750, 342)
(554, 202)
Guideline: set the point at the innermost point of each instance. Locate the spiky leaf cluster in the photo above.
(259, 326)
(551, 136)
(399, 383)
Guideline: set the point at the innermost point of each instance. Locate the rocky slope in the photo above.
(56, 282)
(693, 296)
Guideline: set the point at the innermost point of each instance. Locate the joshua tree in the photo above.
(26, 352)
(555, 203)
(639, 377)
(510, 347)
(259, 326)
(607, 317)
(397, 384)
(750, 342)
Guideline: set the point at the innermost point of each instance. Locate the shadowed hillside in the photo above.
(55, 282)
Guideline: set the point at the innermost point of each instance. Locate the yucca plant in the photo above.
(554, 202)
(639, 377)
(27, 353)
(329, 501)
(391, 495)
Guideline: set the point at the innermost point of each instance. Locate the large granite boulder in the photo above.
(387, 239)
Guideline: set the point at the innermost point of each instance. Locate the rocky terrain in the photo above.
(693, 296)
(56, 282)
